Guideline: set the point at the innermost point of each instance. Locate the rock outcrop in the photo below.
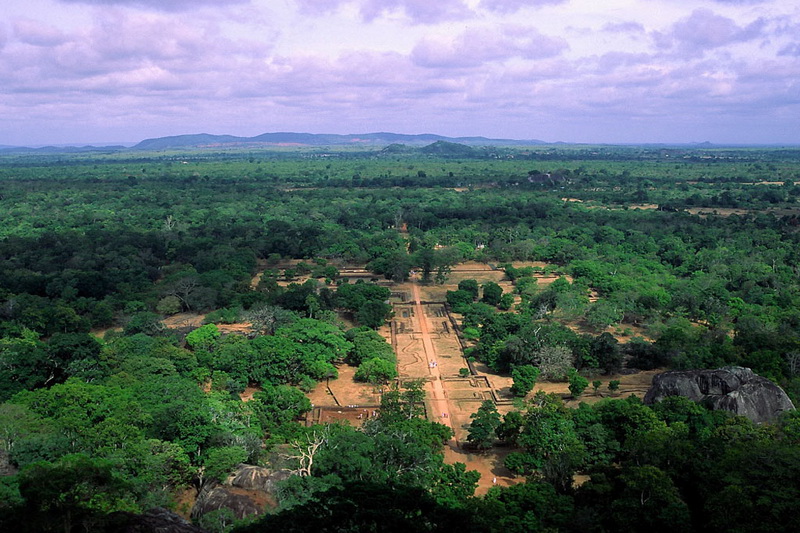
(731, 388)
(256, 478)
(248, 491)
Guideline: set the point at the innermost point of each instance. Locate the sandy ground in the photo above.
(195, 320)
(184, 320)
(436, 401)
(488, 464)
(248, 392)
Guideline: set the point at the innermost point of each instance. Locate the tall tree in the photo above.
(482, 429)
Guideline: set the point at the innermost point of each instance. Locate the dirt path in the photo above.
(438, 405)
(451, 403)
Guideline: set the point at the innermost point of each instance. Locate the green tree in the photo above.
(323, 339)
(364, 506)
(203, 338)
(492, 293)
(74, 491)
(374, 314)
(73, 353)
(219, 462)
(525, 377)
(577, 383)
(470, 286)
(454, 485)
(459, 299)
(23, 364)
(367, 344)
(511, 427)
(169, 305)
(522, 463)
(402, 403)
(376, 370)
(649, 500)
(525, 507)
(144, 322)
(547, 429)
(219, 521)
(506, 301)
(178, 412)
(442, 273)
(280, 404)
(605, 350)
(91, 416)
(485, 422)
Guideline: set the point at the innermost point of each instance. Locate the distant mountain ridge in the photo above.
(315, 139)
(61, 149)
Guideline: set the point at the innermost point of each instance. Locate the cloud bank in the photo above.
(571, 70)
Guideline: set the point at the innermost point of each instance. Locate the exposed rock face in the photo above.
(256, 478)
(731, 388)
(248, 491)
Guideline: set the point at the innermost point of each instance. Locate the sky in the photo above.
(581, 71)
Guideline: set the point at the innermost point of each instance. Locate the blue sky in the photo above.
(616, 71)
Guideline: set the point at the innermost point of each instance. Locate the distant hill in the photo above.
(60, 149)
(185, 141)
(396, 148)
(393, 143)
(205, 140)
(445, 148)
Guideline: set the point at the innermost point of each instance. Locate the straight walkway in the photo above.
(438, 404)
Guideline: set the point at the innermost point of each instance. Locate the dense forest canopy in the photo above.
(696, 248)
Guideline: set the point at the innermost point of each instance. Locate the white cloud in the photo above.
(161, 5)
(477, 46)
(37, 33)
(492, 67)
(417, 11)
(512, 6)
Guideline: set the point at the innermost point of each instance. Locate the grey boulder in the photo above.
(732, 388)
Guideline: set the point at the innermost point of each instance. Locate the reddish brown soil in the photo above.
(184, 320)
(248, 392)
(353, 416)
(489, 464)
(184, 501)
